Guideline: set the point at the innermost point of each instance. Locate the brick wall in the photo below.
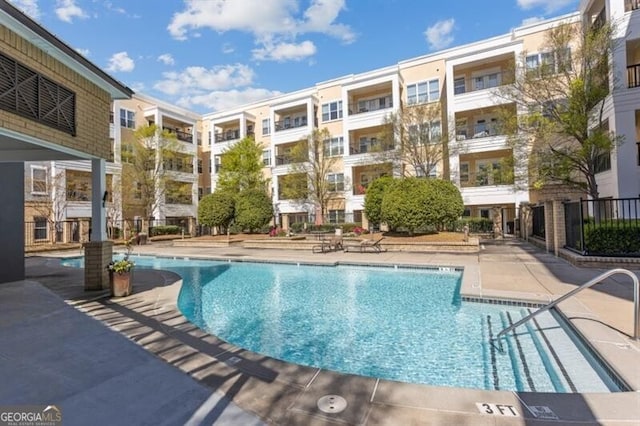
(92, 103)
(97, 255)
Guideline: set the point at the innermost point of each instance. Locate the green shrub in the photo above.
(298, 227)
(612, 240)
(373, 199)
(216, 209)
(254, 209)
(477, 225)
(349, 227)
(165, 230)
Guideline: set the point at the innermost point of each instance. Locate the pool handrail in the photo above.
(596, 280)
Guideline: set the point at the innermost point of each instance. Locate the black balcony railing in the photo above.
(227, 136)
(289, 123)
(283, 160)
(180, 134)
(478, 131)
(633, 75)
(630, 5)
(487, 81)
(369, 147)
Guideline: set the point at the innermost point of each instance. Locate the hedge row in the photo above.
(165, 230)
(612, 240)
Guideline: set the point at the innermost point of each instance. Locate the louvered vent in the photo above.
(33, 96)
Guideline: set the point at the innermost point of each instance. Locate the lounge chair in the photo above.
(325, 246)
(366, 246)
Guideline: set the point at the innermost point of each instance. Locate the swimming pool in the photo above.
(408, 325)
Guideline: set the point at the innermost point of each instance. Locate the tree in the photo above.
(241, 167)
(253, 209)
(373, 199)
(444, 203)
(217, 209)
(404, 204)
(315, 160)
(145, 169)
(564, 136)
(417, 136)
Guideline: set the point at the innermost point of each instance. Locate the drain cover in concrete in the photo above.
(332, 404)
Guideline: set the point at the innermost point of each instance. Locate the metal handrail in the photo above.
(596, 280)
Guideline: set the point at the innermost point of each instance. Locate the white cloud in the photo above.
(221, 100)
(285, 51)
(272, 23)
(198, 79)
(227, 48)
(120, 62)
(166, 59)
(532, 20)
(439, 34)
(66, 10)
(549, 6)
(29, 7)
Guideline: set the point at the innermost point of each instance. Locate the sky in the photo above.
(212, 55)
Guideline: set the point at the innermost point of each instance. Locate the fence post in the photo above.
(582, 247)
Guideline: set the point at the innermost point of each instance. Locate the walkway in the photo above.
(77, 369)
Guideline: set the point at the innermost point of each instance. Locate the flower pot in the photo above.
(122, 284)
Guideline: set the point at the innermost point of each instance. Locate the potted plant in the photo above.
(121, 273)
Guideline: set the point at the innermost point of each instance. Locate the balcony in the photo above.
(468, 84)
(369, 145)
(371, 105)
(630, 5)
(229, 135)
(633, 75)
(477, 131)
(290, 123)
(180, 134)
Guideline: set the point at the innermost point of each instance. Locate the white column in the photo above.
(98, 187)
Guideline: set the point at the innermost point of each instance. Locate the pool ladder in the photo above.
(596, 280)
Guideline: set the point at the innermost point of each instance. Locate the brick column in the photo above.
(559, 234)
(97, 255)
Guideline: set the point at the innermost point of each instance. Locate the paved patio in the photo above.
(56, 353)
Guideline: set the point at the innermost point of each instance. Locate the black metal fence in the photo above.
(603, 227)
(538, 222)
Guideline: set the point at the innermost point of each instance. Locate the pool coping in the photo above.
(373, 396)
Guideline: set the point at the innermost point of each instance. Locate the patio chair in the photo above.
(332, 244)
(366, 246)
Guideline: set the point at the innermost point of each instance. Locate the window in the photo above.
(422, 92)
(602, 162)
(332, 111)
(266, 157)
(336, 216)
(368, 145)
(546, 63)
(266, 126)
(425, 133)
(459, 86)
(38, 180)
(127, 119)
(432, 173)
(336, 181)
(199, 166)
(486, 81)
(334, 147)
(464, 172)
(210, 166)
(200, 193)
(39, 228)
(209, 137)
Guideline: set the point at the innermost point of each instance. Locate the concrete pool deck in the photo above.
(224, 384)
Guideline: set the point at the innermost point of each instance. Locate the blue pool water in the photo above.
(400, 324)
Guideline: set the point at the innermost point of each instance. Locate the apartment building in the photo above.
(461, 83)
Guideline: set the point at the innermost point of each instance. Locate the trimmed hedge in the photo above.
(477, 225)
(612, 240)
(165, 230)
